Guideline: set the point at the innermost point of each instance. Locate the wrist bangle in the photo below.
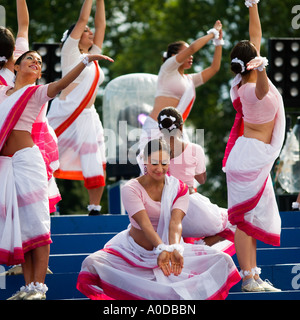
(215, 32)
(263, 65)
(85, 60)
(178, 247)
(169, 248)
(250, 3)
(218, 42)
(162, 247)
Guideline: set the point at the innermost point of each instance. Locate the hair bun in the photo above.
(236, 67)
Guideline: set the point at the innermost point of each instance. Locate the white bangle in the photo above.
(218, 42)
(215, 32)
(162, 247)
(85, 60)
(178, 247)
(169, 248)
(250, 3)
(263, 65)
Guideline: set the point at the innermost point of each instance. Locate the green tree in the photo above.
(138, 31)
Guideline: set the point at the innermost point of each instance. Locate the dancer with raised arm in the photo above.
(174, 87)
(149, 260)
(254, 144)
(9, 52)
(24, 205)
(73, 115)
(10, 49)
(203, 219)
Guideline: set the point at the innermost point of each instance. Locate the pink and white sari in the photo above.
(24, 204)
(123, 270)
(251, 200)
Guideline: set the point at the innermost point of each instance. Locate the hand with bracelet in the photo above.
(170, 258)
(87, 59)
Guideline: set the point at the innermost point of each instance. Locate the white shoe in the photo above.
(19, 295)
(36, 291)
(252, 286)
(268, 286)
(35, 295)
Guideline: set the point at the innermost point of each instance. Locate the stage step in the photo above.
(75, 237)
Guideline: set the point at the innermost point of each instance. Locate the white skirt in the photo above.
(251, 198)
(24, 205)
(204, 219)
(125, 271)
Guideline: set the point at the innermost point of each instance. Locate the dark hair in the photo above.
(68, 33)
(244, 51)
(7, 45)
(173, 48)
(167, 122)
(154, 146)
(19, 60)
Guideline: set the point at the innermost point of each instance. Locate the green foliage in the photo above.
(138, 31)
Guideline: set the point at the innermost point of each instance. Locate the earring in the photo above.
(145, 169)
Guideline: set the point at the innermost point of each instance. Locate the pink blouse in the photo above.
(258, 111)
(135, 199)
(171, 83)
(190, 163)
(32, 109)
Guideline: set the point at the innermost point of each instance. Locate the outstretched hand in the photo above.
(163, 261)
(93, 57)
(176, 263)
(255, 63)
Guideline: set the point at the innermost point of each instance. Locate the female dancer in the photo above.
(174, 87)
(11, 50)
(149, 260)
(203, 219)
(73, 115)
(249, 158)
(24, 207)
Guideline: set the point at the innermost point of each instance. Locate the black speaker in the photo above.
(284, 69)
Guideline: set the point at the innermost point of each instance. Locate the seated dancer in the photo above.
(149, 260)
(174, 87)
(73, 114)
(254, 144)
(24, 205)
(203, 219)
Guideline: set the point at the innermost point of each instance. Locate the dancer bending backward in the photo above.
(149, 260)
(9, 52)
(254, 144)
(203, 219)
(174, 87)
(24, 206)
(73, 115)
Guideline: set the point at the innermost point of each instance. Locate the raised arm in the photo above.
(55, 87)
(255, 31)
(82, 20)
(259, 64)
(23, 19)
(209, 72)
(100, 23)
(197, 44)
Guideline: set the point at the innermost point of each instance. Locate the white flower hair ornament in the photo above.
(65, 36)
(236, 60)
(3, 59)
